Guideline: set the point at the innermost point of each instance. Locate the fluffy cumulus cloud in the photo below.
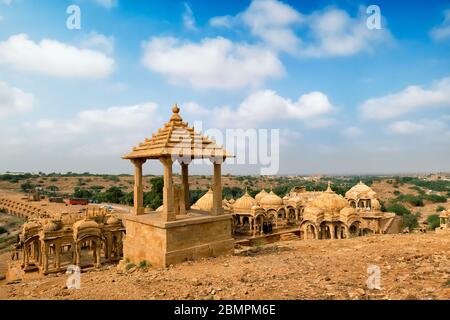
(442, 32)
(271, 21)
(54, 58)
(104, 133)
(266, 106)
(334, 32)
(14, 100)
(213, 63)
(412, 98)
(327, 32)
(98, 42)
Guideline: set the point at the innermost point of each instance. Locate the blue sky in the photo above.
(347, 99)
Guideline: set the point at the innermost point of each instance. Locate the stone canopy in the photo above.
(178, 141)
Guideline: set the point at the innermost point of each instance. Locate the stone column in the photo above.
(217, 190)
(58, 255)
(331, 227)
(185, 182)
(46, 253)
(168, 213)
(138, 187)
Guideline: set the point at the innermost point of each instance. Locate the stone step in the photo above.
(289, 237)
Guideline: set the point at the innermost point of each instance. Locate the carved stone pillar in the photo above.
(185, 182)
(138, 187)
(217, 189)
(168, 213)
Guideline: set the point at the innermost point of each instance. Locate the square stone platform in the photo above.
(190, 237)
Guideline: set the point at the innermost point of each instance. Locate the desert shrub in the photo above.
(27, 186)
(3, 230)
(411, 221)
(397, 193)
(233, 192)
(129, 266)
(436, 198)
(416, 201)
(433, 221)
(440, 208)
(398, 209)
(144, 264)
(82, 193)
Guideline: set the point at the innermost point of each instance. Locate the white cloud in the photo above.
(442, 32)
(422, 126)
(98, 42)
(14, 100)
(271, 20)
(405, 127)
(266, 106)
(212, 63)
(107, 3)
(188, 18)
(335, 33)
(323, 33)
(411, 99)
(54, 58)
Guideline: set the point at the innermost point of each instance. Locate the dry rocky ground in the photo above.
(413, 266)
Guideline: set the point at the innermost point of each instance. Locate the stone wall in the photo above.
(163, 244)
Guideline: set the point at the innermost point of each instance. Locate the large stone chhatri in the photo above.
(177, 233)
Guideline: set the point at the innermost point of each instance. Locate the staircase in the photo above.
(394, 225)
(289, 237)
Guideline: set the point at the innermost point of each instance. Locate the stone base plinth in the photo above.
(188, 238)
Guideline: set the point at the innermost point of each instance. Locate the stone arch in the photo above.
(353, 229)
(309, 230)
(96, 243)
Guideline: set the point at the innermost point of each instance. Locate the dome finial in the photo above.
(175, 108)
(329, 187)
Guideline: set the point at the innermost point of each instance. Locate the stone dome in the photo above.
(160, 208)
(360, 190)
(31, 225)
(271, 199)
(261, 195)
(375, 204)
(205, 203)
(85, 224)
(329, 201)
(347, 211)
(312, 211)
(246, 202)
(112, 220)
(52, 226)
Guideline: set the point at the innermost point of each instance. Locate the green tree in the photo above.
(411, 221)
(433, 221)
(398, 209)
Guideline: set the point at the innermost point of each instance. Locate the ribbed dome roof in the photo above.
(85, 224)
(329, 201)
(261, 195)
(358, 190)
(205, 203)
(246, 202)
(52, 226)
(347, 211)
(271, 199)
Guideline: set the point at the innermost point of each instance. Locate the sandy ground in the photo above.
(413, 266)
